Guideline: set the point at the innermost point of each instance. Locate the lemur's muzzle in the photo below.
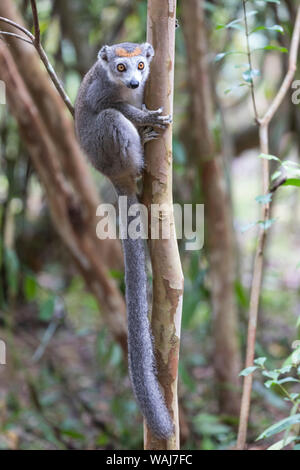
(133, 84)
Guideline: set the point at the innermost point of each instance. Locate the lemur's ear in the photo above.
(148, 51)
(103, 53)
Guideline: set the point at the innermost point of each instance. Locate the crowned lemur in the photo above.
(112, 125)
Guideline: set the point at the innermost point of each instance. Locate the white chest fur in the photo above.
(134, 97)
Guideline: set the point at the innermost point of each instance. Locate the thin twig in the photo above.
(289, 76)
(6, 33)
(250, 62)
(259, 257)
(18, 26)
(36, 23)
(37, 44)
(35, 40)
(56, 321)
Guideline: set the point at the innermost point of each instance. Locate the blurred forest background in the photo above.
(65, 385)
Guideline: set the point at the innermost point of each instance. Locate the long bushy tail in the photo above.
(140, 345)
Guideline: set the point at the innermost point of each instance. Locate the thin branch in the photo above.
(259, 257)
(35, 40)
(55, 79)
(6, 33)
(250, 62)
(36, 23)
(37, 44)
(289, 76)
(18, 26)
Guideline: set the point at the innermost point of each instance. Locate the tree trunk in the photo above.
(218, 219)
(166, 266)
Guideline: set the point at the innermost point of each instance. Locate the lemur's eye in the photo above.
(141, 66)
(121, 68)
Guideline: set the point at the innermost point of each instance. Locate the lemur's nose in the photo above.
(134, 84)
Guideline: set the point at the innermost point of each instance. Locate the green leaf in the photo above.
(233, 24)
(280, 426)
(289, 361)
(268, 157)
(286, 368)
(287, 380)
(241, 294)
(269, 383)
(235, 87)
(47, 309)
(275, 48)
(282, 443)
(248, 371)
(292, 182)
(275, 27)
(102, 440)
(115, 274)
(275, 175)
(249, 74)
(12, 264)
(260, 361)
(264, 199)
(73, 433)
(295, 356)
(251, 13)
(272, 374)
(266, 224)
(290, 163)
(30, 288)
(221, 55)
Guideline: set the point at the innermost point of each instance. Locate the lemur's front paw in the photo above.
(155, 119)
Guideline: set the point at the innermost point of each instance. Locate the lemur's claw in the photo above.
(162, 121)
(165, 119)
(148, 134)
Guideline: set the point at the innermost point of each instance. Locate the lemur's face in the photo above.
(127, 64)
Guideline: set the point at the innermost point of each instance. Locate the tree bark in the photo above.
(166, 266)
(218, 219)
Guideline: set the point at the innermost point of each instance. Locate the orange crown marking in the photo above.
(123, 53)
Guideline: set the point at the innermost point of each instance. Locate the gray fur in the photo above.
(112, 125)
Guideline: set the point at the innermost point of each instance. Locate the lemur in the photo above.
(112, 125)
